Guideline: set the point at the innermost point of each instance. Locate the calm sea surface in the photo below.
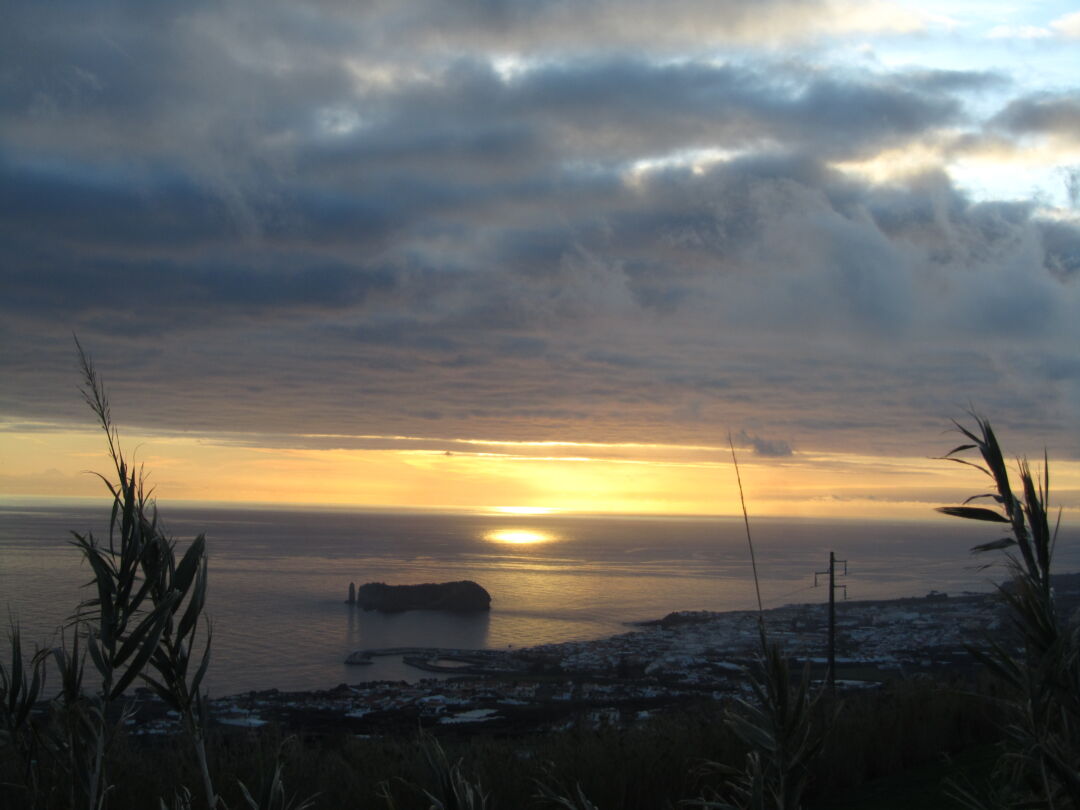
(278, 579)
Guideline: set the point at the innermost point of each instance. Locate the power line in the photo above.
(831, 673)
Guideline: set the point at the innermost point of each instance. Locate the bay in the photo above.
(279, 577)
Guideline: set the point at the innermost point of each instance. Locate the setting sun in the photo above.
(518, 537)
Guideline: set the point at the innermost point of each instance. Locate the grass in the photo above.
(925, 786)
(903, 730)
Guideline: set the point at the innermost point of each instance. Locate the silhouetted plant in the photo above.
(20, 688)
(780, 726)
(1041, 666)
(143, 618)
(554, 793)
(270, 794)
(140, 622)
(452, 790)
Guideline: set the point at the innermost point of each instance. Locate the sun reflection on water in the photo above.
(518, 537)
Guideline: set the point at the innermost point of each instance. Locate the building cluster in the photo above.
(685, 656)
(702, 647)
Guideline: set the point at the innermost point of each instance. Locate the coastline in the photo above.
(658, 665)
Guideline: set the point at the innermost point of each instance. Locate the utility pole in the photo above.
(831, 672)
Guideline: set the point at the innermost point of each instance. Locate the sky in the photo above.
(543, 254)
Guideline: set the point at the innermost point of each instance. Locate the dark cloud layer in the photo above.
(281, 221)
(766, 447)
(1043, 113)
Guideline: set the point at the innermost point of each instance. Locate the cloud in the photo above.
(509, 25)
(1068, 25)
(1029, 32)
(770, 448)
(683, 302)
(1043, 114)
(1061, 241)
(386, 219)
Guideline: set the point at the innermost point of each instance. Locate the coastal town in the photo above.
(670, 662)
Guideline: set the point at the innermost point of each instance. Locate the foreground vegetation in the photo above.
(790, 746)
(645, 767)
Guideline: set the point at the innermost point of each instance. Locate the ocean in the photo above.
(279, 578)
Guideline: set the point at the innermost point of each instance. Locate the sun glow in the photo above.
(522, 510)
(616, 479)
(518, 537)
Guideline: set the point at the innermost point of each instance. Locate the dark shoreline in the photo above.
(662, 664)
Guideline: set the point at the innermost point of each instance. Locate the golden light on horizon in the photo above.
(518, 537)
(631, 480)
(523, 510)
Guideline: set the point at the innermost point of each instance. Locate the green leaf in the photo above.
(96, 656)
(1001, 663)
(36, 682)
(967, 463)
(195, 604)
(993, 545)
(751, 733)
(989, 495)
(196, 682)
(162, 692)
(146, 627)
(251, 803)
(189, 565)
(960, 449)
(157, 620)
(70, 670)
(16, 669)
(968, 433)
(115, 509)
(974, 513)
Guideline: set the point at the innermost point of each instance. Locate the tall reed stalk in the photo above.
(142, 621)
(1040, 664)
(779, 726)
(750, 545)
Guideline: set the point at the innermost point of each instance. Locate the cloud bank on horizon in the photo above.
(819, 224)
